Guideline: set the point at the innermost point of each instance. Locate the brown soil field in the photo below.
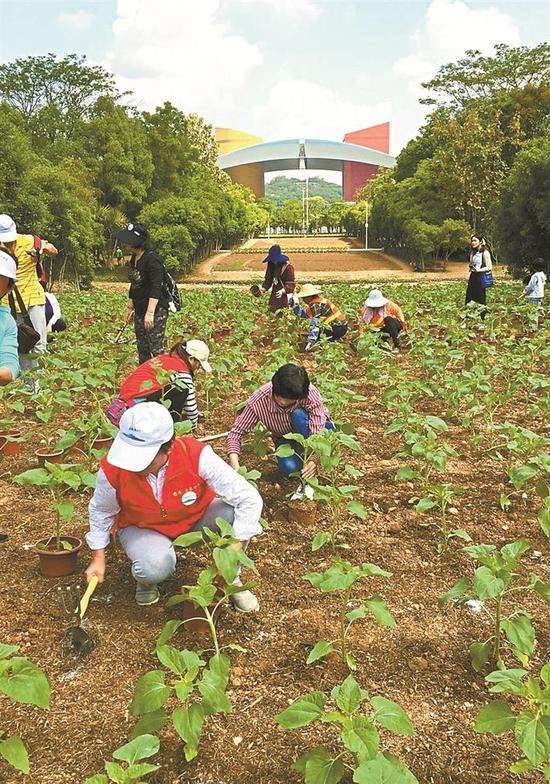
(317, 262)
(422, 663)
(324, 241)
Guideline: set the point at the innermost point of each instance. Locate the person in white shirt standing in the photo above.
(152, 487)
(534, 290)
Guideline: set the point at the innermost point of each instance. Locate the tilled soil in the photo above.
(318, 262)
(422, 663)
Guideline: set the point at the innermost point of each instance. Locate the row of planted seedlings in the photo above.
(496, 584)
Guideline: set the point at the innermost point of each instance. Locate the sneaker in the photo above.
(244, 601)
(146, 594)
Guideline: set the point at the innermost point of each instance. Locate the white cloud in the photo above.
(76, 22)
(298, 108)
(296, 8)
(177, 50)
(450, 28)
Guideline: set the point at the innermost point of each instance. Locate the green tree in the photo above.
(523, 215)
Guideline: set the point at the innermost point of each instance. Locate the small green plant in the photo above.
(358, 734)
(23, 682)
(440, 496)
(132, 753)
(199, 685)
(531, 726)
(495, 582)
(58, 479)
(341, 578)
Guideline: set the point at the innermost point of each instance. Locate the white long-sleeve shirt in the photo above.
(228, 485)
(535, 287)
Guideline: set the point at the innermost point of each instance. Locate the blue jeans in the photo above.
(299, 419)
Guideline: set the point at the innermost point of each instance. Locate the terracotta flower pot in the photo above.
(58, 563)
(98, 443)
(302, 512)
(199, 626)
(51, 456)
(10, 448)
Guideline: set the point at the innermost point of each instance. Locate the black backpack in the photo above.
(171, 292)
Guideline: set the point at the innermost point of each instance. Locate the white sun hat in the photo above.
(308, 290)
(8, 229)
(144, 428)
(8, 266)
(200, 351)
(376, 299)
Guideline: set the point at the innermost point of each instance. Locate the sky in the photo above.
(277, 68)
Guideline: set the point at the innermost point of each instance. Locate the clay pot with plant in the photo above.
(58, 553)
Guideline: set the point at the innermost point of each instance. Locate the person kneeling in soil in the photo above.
(152, 487)
(287, 404)
(383, 315)
(167, 377)
(324, 316)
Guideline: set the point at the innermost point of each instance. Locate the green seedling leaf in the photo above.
(383, 770)
(356, 508)
(318, 767)
(514, 550)
(391, 716)
(227, 561)
(179, 662)
(285, 450)
(140, 748)
(186, 540)
(523, 766)
(188, 724)
(379, 609)
(355, 615)
(361, 737)
(480, 653)
(543, 589)
(168, 631)
(13, 750)
(507, 681)
(348, 695)
(520, 633)
(7, 650)
(405, 472)
(521, 475)
(487, 585)
(321, 649)
(496, 718)
(319, 540)
(150, 723)
(303, 711)
(99, 778)
(150, 694)
(460, 533)
(26, 683)
(424, 505)
(437, 423)
(458, 590)
(533, 736)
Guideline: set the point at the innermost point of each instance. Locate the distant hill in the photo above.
(282, 188)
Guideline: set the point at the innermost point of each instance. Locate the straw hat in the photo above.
(308, 290)
(376, 299)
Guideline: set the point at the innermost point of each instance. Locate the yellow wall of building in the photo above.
(229, 139)
(251, 175)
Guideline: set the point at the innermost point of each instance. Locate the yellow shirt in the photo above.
(28, 284)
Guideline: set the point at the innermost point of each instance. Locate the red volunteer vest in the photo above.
(185, 494)
(135, 385)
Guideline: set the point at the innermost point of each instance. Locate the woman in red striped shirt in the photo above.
(287, 404)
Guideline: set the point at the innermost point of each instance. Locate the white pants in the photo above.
(37, 314)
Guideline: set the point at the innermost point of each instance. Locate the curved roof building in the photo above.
(358, 159)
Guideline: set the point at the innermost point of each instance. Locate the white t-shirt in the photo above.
(535, 287)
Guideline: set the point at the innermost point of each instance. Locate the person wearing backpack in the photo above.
(25, 248)
(480, 265)
(167, 378)
(147, 298)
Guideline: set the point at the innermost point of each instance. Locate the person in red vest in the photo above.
(167, 377)
(152, 487)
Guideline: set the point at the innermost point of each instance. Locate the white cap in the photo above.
(144, 428)
(8, 266)
(376, 299)
(8, 229)
(199, 350)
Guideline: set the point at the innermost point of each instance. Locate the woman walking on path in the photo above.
(279, 277)
(480, 262)
(147, 301)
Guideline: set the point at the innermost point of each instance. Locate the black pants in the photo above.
(175, 396)
(150, 344)
(392, 327)
(335, 332)
(475, 291)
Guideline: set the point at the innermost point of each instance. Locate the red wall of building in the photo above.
(355, 175)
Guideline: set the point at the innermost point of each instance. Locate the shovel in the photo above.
(75, 638)
(119, 334)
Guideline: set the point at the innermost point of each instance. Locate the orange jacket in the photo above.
(144, 379)
(185, 494)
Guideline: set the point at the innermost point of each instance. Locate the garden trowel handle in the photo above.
(83, 606)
